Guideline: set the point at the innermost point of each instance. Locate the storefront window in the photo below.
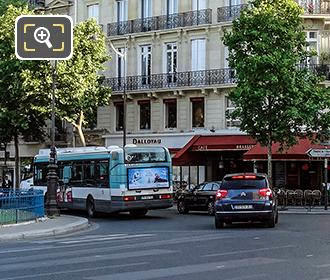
(197, 112)
(145, 121)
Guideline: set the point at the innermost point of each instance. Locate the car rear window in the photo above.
(243, 183)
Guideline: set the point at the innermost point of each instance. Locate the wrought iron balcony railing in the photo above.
(315, 6)
(173, 80)
(319, 69)
(230, 13)
(163, 22)
(36, 3)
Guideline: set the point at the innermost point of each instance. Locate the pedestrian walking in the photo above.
(7, 184)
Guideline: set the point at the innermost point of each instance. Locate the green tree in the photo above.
(22, 113)
(4, 4)
(276, 101)
(79, 83)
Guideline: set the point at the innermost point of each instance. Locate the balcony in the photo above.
(191, 79)
(315, 7)
(230, 13)
(322, 70)
(163, 22)
(36, 3)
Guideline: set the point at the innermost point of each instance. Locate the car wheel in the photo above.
(211, 208)
(218, 223)
(138, 213)
(182, 208)
(272, 221)
(91, 208)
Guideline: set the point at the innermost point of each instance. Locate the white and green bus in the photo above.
(110, 179)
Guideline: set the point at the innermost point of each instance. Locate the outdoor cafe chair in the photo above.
(308, 197)
(298, 196)
(290, 194)
(317, 197)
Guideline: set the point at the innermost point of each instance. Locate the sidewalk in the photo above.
(43, 228)
(317, 210)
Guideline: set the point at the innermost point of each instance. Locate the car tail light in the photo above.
(129, 198)
(220, 194)
(266, 192)
(165, 196)
(238, 177)
(69, 196)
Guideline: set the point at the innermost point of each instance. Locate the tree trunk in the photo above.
(269, 162)
(17, 163)
(79, 128)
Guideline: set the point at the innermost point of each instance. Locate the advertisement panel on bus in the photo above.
(148, 178)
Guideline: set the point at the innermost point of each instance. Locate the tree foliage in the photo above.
(79, 84)
(22, 113)
(276, 99)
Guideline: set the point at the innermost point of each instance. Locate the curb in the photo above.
(303, 213)
(71, 228)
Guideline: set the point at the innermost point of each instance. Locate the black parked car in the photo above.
(245, 197)
(200, 198)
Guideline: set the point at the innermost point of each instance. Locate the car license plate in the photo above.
(146, 197)
(243, 207)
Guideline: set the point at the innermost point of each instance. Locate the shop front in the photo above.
(292, 168)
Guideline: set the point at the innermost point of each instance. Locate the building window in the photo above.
(312, 43)
(122, 8)
(230, 122)
(198, 54)
(199, 5)
(197, 105)
(145, 60)
(171, 54)
(93, 12)
(170, 113)
(145, 116)
(172, 7)
(146, 8)
(119, 116)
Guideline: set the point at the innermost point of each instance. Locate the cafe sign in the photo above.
(147, 141)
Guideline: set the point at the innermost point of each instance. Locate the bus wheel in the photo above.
(138, 212)
(90, 206)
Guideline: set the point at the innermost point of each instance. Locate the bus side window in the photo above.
(102, 173)
(40, 175)
(66, 174)
(89, 172)
(77, 173)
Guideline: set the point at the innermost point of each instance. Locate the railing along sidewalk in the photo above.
(20, 205)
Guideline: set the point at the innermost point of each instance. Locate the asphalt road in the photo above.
(165, 245)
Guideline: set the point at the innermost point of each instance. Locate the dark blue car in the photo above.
(245, 197)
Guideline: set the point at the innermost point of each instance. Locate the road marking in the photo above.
(107, 238)
(323, 265)
(76, 271)
(77, 260)
(249, 251)
(185, 270)
(78, 238)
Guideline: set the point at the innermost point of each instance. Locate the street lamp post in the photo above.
(123, 56)
(52, 179)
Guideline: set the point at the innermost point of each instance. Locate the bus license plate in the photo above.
(146, 197)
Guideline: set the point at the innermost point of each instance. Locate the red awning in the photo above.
(296, 152)
(202, 143)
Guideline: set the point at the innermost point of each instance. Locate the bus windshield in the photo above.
(145, 155)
